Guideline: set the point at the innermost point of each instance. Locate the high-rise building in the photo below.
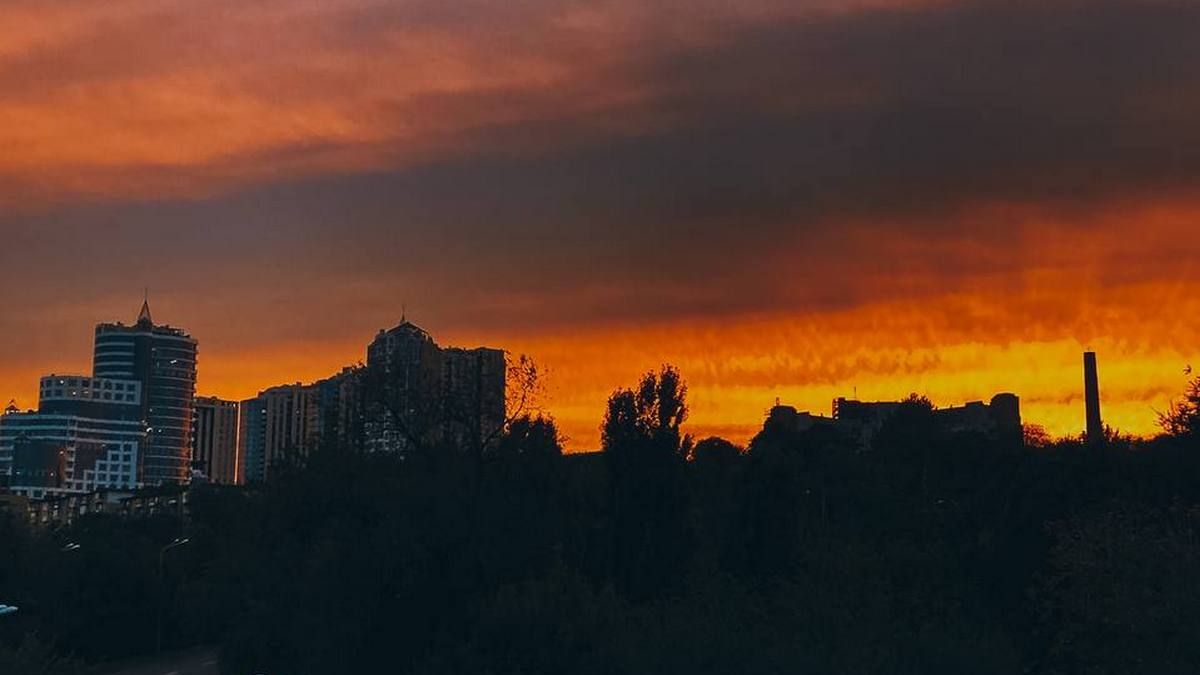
(215, 440)
(163, 360)
(281, 423)
(420, 391)
(86, 434)
(252, 426)
(473, 385)
(339, 411)
(401, 385)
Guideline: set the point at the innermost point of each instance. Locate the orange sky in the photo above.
(1022, 333)
(784, 199)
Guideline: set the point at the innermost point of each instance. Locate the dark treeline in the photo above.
(802, 553)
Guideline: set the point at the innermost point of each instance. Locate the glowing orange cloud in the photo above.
(137, 98)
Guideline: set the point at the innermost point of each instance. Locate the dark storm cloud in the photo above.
(919, 109)
(745, 173)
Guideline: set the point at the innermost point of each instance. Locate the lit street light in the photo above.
(175, 544)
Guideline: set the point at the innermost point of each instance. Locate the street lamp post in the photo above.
(161, 561)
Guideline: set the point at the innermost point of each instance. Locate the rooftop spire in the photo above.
(144, 314)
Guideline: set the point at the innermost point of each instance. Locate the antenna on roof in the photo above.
(144, 314)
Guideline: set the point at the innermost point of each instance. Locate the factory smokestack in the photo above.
(1091, 394)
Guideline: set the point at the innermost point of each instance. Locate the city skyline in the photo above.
(136, 419)
(783, 199)
(739, 433)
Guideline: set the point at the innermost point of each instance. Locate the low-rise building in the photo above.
(86, 434)
(862, 420)
(63, 510)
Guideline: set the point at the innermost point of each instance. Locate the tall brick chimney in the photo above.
(1091, 394)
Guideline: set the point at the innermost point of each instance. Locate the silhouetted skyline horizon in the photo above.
(739, 433)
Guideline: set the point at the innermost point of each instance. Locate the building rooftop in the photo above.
(143, 322)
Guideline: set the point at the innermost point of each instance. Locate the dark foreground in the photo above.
(202, 661)
(924, 552)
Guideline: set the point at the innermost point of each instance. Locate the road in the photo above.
(201, 661)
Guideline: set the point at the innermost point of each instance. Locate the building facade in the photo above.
(473, 386)
(418, 392)
(280, 424)
(215, 440)
(252, 456)
(340, 408)
(163, 360)
(86, 434)
(400, 387)
(59, 510)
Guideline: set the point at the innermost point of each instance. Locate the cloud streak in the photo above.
(868, 105)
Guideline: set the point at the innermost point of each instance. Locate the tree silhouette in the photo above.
(715, 451)
(645, 452)
(1035, 436)
(1183, 417)
(648, 418)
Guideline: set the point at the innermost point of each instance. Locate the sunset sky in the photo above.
(800, 200)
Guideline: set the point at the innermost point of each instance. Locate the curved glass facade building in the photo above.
(163, 359)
